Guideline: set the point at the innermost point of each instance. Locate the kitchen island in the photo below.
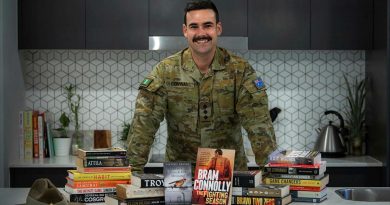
(18, 196)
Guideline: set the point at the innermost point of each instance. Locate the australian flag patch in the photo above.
(258, 83)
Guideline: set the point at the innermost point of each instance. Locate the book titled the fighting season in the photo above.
(108, 162)
(299, 182)
(147, 180)
(113, 151)
(270, 190)
(294, 157)
(94, 183)
(250, 178)
(258, 200)
(213, 176)
(72, 190)
(115, 200)
(79, 176)
(309, 194)
(128, 191)
(315, 169)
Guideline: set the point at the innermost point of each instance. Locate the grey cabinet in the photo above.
(116, 24)
(45, 24)
(342, 24)
(279, 24)
(166, 17)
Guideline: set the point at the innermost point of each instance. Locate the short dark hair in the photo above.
(199, 5)
(219, 151)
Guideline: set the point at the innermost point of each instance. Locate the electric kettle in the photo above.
(330, 140)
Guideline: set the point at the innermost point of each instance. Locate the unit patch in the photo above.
(146, 82)
(258, 83)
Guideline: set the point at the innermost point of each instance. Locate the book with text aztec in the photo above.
(147, 180)
(113, 151)
(213, 176)
(79, 176)
(294, 157)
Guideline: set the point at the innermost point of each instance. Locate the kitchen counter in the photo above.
(353, 161)
(18, 196)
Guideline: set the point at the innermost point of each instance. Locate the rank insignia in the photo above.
(258, 83)
(146, 82)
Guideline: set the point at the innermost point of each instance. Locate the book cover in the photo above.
(28, 134)
(270, 190)
(108, 162)
(35, 134)
(299, 182)
(177, 183)
(213, 176)
(310, 200)
(147, 180)
(309, 194)
(258, 200)
(115, 200)
(250, 178)
(113, 151)
(87, 197)
(79, 176)
(72, 190)
(95, 184)
(128, 191)
(102, 169)
(316, 169)
(294, 157)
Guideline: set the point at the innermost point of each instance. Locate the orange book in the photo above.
(35, 134)
(95, 184)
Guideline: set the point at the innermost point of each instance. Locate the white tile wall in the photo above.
(302, 83)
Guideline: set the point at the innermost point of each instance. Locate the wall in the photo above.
(13, 85)
(302, 83)
(2, 165)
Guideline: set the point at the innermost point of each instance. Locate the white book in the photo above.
(40, 135)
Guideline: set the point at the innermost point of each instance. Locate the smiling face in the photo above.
(202, 31)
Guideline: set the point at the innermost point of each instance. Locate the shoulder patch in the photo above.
(146, 82)
(258, 83)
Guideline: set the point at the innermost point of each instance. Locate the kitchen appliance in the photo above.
(330, 140)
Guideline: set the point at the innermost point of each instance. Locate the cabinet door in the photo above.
(46, 24)
(116, 24)
(341, 24)
(279, 24)
(167, 17)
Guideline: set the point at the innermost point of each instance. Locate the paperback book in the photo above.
(213, 176)
(309, 194)
(80, 176)
(178, 183)
(294, 157)
(129, 191)
(147, 180)
(315, 169)
(113, 151)
(299, 182)
(108, 162)
(270, 190)
(258, 200)
(115, 200)
(250, 178)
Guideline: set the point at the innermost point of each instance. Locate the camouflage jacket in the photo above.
(201, 110)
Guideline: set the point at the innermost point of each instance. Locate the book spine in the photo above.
(84, 154)
(100, 176)
(102, 169)
(151, 183)
(305, 188)
(307, 194)
(28, 135)
(125, 192)
(35, 135)
(264, 192)
(244, 181)
(72, 190)
(111, 162)
(245, 200)
(41, 131)
(21, 135)
(293, 182)
(89, 197)
(294, 176)
(96, 184)
(310, 200)
(292, 170)
(136, 201)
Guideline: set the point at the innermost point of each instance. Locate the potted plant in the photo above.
(125, 132)
(73, 101)
(61, 140)
(355, 116)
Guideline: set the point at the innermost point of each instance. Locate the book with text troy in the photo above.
(295, 157)
(104, 152)
(147, 180)
(213, 176)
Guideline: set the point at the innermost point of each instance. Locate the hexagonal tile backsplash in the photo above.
(302, 83)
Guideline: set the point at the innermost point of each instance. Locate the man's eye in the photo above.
(193, 26)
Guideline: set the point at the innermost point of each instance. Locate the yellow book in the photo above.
(299, 182)
(98, 176)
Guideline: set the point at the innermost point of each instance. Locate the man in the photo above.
(206, 94)
(221, 164)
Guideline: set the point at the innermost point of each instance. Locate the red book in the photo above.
(95, 184)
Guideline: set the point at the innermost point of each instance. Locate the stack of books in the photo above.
(145, 188)
(303, 171)
(98, 173)
(248, 189)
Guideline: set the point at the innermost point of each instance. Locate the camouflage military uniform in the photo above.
(201, 110)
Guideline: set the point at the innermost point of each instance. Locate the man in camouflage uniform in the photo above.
(206, 94)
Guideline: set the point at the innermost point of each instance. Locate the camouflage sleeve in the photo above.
(149, 112)
(252, 107)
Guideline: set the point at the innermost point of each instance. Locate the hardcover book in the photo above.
(310, 200)
(270, 190)
(294, 157)
(213, 176)
(87, 197)
(178, 182)
(309, 194)
(258, 200)
(296, 176)
(113, 151)
(315, 169)
(299, 182)
(72, 190)
(129, 191)
(79, 176)
(109, 162)
(147, 180)
(115, 200)
(250, 178)
(102, 169)
(95, 184)
(28, 134)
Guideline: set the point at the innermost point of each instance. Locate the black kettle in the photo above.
(330, 140)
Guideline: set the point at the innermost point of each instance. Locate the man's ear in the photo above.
(219, 28)
(184, 28)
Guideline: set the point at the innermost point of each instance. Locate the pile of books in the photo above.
(249, 189)
(98, 173)
(303, 171)
(145, 188)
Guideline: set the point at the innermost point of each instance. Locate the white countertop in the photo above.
(18, 196)
(353, 161)
(52, 162)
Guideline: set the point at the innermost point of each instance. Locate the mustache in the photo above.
(197, 38)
